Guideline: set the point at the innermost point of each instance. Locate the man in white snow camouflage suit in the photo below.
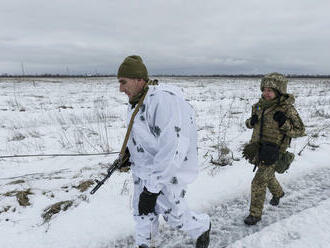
(163, 156)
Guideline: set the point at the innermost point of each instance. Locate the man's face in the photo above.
(268, 93)
(131, 86)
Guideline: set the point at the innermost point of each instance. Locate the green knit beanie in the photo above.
(133, 67)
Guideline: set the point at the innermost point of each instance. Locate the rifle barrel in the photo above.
(111, 170)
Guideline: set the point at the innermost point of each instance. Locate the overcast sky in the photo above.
(172, 36)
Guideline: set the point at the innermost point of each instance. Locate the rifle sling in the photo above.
(130, 125)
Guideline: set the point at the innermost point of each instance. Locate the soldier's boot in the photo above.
(203, 241)
(276, 200)
(144, 246)
(251, 220)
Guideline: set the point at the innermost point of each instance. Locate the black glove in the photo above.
(254, 119)
(147, 202)
(280, 117)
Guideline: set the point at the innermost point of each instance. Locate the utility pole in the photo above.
(22, 66)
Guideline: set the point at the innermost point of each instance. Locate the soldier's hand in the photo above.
(125, 164)
(280, 117)
(125, 168)
(147, 202)
(254, 119)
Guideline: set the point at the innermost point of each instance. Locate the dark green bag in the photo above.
(269, 153)
(284, 162)
(250, 152)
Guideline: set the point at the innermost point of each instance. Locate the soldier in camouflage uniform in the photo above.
(275, 122)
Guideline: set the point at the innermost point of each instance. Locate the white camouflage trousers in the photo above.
(172, 206)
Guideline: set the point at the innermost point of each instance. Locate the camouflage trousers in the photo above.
(263, 179)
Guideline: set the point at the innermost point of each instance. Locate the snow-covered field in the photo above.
(45, 201)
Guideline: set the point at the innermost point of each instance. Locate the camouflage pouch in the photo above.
(284, 162)
(250, 152)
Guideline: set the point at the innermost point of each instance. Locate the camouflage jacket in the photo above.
(271, 132)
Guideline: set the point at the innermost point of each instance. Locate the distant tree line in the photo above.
(245, 75)
(49, 75)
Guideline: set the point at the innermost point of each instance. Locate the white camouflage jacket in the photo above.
(163, 140)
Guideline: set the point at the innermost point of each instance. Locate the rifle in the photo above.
(122, 162)
(119, 163)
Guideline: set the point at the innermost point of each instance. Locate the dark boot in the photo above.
(276, 200)
(251, 220)
(204, 240)
(144, 246)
